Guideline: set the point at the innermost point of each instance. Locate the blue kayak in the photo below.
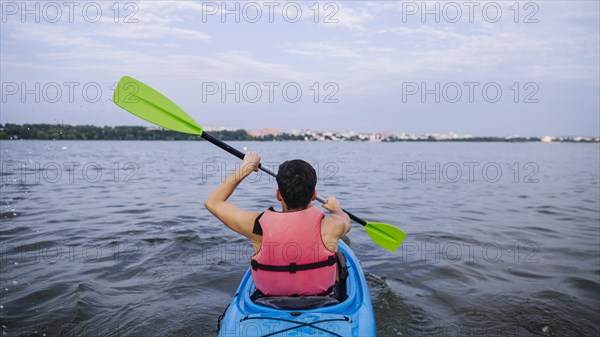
(351, 317)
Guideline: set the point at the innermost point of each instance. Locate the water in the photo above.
(111, 238)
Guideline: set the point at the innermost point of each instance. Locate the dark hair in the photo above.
(296, 180)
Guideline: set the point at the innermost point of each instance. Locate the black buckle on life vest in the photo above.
(254, 265)
(331, 260)
(293, 267)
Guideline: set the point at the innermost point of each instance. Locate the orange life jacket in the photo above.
(293, 260)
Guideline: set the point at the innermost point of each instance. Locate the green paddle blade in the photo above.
(385, 235)
(149, 104)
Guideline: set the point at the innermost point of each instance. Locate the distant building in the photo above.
(219, 128)
(264, 132)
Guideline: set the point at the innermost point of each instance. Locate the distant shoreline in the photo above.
(136, 133)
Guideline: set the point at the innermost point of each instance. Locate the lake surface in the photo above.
(112, 239)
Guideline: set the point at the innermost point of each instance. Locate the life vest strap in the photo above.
(293, 267)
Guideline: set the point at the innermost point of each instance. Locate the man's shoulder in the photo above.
(332, 221)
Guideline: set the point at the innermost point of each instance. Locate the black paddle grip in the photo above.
(355, 218)
(207, 136)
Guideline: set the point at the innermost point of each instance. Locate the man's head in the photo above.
(296, 180)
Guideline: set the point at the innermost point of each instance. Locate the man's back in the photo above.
(296, 180)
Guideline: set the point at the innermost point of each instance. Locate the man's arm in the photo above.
(339, 221)
(231, 215)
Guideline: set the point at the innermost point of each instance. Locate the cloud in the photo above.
(151, 31)
(368, 51)
(53, 35)
(322, 50)
(353, 18)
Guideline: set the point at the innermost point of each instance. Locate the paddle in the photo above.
(147, 103)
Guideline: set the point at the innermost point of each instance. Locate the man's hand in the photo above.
(332, 205)
(251, 161)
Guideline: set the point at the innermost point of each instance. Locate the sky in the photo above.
(496, 68)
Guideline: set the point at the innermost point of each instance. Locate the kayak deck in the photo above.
(352, 317)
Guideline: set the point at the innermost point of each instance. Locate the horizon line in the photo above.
(211, 128)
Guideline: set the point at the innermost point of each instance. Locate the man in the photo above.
(295, 250)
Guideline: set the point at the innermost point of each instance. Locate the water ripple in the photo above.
(145, 258)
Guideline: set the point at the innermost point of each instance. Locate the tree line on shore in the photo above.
(91, 132)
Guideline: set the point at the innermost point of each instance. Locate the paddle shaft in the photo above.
(208, 137)
(155, 108)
